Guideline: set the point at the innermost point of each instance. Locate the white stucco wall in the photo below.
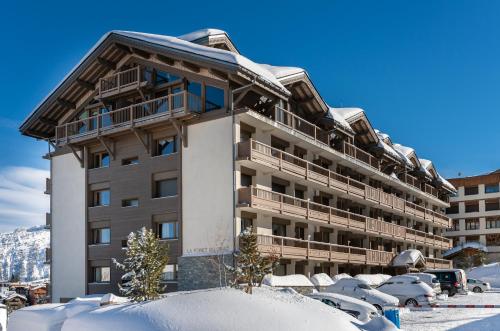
(68, 228)
(207, 188)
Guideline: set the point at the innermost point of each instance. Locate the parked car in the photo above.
(477, 286)
(452, 281)
(359, 289)
(410, 290)
(360, 309)
(429, 279)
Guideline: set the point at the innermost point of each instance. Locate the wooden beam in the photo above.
(191, 66)
(219, 74)
(311, 98)
(165, 59)
(66, 103)
(75, 153)
(141, 53)
(107, 147)
(139, 134)
(181, 131)
(83, 83)
(123, 48)
(105, 63)
(38, 134)
(243, 93)
(48, 121)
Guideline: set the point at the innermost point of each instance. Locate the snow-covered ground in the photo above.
(456, 319)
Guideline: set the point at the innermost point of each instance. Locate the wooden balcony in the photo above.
(359, 154)
(282, 204)
(433, 263)
(291, 248)
(276, 159)
(297, 123)
(121, 82)
(181, 105)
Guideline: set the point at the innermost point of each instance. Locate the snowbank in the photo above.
(340, 276)
(217, 309)
(408, 257)
(373, 280)
(321, 280)
(489, 273)
(285, 281)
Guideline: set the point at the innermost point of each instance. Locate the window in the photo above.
(472, 207)
(165, 188)
(101, 274)
(471, 190)
(246, 180)
(492, 205)
(130, 161)
(214, 98)
(100, 198)
(470, 239)
(163, 77)
(453, 209)
(492, 223)
(166, 146)
(455, 225)
(130, 203)
(472, 224)
(169, 273)
(299, 194)
(493, 239)
(491, 188)
(278, 188)
(100, 160)
(101, 236)
(300, 232)
(168, 230)
(246, 223)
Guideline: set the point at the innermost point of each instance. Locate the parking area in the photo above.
(456, 319)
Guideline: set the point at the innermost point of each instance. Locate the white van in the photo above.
(360, 289)
(409, 290)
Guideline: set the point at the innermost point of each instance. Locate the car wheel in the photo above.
(477, 289)
(379, 309)
(411, 302)
(452, 294)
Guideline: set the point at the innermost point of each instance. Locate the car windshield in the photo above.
(435, 280)
(364, 286)
(416, 282)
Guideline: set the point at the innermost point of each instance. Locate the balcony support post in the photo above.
(75, 153)
(143, 140)
(107, 145)
(181, 131)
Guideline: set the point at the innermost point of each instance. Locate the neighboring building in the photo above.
(187, 136)
(475, 212)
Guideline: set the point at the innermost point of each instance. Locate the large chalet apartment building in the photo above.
(187, 136)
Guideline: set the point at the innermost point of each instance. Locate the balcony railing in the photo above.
(122, 81)
(433, 263)
(292, 248)
(279, 160)
(172, 106)
(321, 136)
(288, 205)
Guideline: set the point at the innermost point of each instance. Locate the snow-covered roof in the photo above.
(202, 33)
(425, 166)
(462, 246)
(446, 183)
(321, 280)
(290, 280)
(389, 150)
(409, 257)
(405, 152)
(382, 135)
(282, 72)
(349, 112)
(336, 115)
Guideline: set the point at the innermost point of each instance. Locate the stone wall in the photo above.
(200, 272)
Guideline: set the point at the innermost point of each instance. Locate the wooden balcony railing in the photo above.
(282, 161)
(321, 136)
(172, 106)
(433, 263)
(122, 81)
(288, 205)
(292, 248)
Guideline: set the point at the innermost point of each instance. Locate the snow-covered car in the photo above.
(360, 289)
(360, 309)
(429, 279)
(409, 290)
(477, 286)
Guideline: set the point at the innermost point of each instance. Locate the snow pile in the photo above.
(408, 257)
(373, 280)
(321, 280)
(285, 281)
(216, 309)
(22, 254)
(489, 273)
(338, 277)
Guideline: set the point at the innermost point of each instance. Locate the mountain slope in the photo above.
(22, 253)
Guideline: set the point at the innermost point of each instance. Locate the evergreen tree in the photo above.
(145, 260)
(251, 266)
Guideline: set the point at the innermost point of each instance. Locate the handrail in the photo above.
(170, 105)
(373, 193)
(120, 80)
(303, 208)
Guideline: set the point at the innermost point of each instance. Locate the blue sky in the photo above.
(426, 72)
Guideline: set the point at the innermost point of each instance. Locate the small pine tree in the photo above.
(145, 260)
(251, 266)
